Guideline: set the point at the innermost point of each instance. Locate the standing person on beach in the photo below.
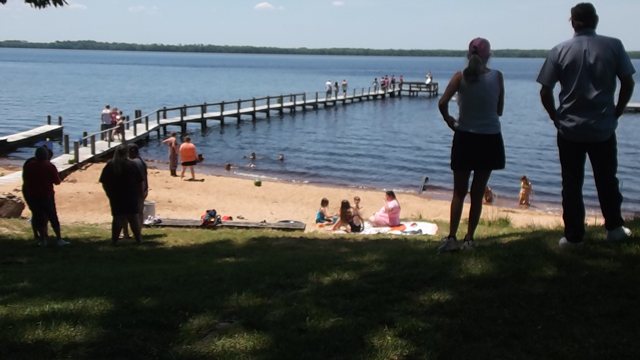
(587, 67)
(189, 157)
(174, 149)
(39, 175)
(123, 184)
(328, 88)
(105, 121)
(477, 141)
(134, 156)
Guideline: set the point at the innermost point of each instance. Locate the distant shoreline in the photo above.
(224, 49)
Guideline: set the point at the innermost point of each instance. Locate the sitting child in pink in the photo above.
(389, 214)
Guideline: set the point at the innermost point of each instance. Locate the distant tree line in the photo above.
(224, 49)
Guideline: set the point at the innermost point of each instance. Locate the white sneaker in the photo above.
(564, 243)
(468, 245)
(61, 242)
(618, 234)
(450, 243)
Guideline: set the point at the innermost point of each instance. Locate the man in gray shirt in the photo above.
(587, 67)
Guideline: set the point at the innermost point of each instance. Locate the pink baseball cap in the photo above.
(480, 46)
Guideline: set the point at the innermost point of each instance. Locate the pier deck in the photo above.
(29, 137)
(632, 108)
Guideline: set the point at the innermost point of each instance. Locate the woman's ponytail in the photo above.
(474, 68)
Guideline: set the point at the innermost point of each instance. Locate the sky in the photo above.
(376, 24)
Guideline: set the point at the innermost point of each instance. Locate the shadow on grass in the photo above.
(241, 294)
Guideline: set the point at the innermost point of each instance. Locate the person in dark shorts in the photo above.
(477, 141)
(188, 156)
(123, 183)
(39, 176)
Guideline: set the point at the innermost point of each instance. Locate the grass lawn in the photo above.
(234, 294)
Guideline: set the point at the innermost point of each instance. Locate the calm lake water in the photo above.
(388, 144)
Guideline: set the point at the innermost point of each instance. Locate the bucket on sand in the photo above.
(149, 209)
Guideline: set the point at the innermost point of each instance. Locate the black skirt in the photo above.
(471, 151)
(189, 163)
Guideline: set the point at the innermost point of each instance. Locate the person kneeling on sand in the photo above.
(350, 218)
(389, 214)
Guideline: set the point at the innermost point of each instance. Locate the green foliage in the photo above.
(41, 4)
(201, 48)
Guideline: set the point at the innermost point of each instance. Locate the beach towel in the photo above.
(406, 228)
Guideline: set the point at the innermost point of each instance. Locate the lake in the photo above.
(388, 144)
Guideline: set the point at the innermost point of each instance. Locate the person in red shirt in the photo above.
(39, 176)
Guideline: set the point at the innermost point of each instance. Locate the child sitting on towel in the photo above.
(323, 217)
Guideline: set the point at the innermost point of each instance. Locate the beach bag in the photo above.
(210, 218)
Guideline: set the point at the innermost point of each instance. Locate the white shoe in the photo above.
(468, 245)
(450, 243)
(618, 234)
(564, 243)
(61, 242)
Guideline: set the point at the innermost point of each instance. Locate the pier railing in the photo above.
(181, 115)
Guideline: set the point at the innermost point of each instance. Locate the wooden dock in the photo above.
(632, 108)
(30, 137)
(91, 147)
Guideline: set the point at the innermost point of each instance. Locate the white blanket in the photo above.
(410, 228)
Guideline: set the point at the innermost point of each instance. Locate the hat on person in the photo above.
(480, 46)
(584, 12)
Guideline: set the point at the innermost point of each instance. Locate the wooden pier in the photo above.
(92, 146)
(632, 108)
(415, 88)
(30, 137)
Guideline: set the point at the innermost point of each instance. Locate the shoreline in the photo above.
(81, 199)
(433, 193)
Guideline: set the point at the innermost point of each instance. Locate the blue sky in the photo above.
(379, 24)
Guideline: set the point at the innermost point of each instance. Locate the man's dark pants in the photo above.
(604, 161)
(104, 127)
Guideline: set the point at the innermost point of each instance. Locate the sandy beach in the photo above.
(81, 199)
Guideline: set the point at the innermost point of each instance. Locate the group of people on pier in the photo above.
(335, 88)
(385, 83)
(113, 120)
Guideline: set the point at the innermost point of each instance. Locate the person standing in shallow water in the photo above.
(587, 67)
(174, 149)
(477, 141)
